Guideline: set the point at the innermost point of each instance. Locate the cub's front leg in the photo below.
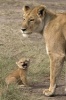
(24, 80)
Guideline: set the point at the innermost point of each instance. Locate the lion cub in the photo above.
(20, 73)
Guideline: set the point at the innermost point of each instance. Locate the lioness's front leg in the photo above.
(56, 63)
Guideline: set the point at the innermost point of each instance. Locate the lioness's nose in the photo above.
(23, 29)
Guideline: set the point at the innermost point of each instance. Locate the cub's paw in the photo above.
(24, 86)
(50, 91)
(20, 86)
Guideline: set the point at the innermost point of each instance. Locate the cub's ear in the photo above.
(41, 10)
(28, 59)
(26, 8)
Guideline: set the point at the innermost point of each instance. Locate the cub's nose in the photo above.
(23, 29)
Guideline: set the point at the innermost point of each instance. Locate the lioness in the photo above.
(53, 27)
(20, 73)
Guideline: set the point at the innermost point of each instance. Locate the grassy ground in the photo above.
(13, 47)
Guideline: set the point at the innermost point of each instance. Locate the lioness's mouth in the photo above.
(26, 33)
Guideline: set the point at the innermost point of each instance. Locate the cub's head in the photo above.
(23, 63)
(33, 19)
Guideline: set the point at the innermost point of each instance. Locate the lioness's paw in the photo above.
(50, 91)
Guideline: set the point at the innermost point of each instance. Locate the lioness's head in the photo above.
(23, 63)
(33, 19)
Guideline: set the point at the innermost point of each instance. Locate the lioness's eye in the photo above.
(23, 18)
(31, 20)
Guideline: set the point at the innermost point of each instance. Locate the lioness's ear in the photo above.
(41, 10)
(51, 13)
(26, 8)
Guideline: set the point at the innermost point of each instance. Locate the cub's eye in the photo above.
(31, 20)
(21, 62)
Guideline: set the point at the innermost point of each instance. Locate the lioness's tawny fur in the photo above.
(53, 28)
